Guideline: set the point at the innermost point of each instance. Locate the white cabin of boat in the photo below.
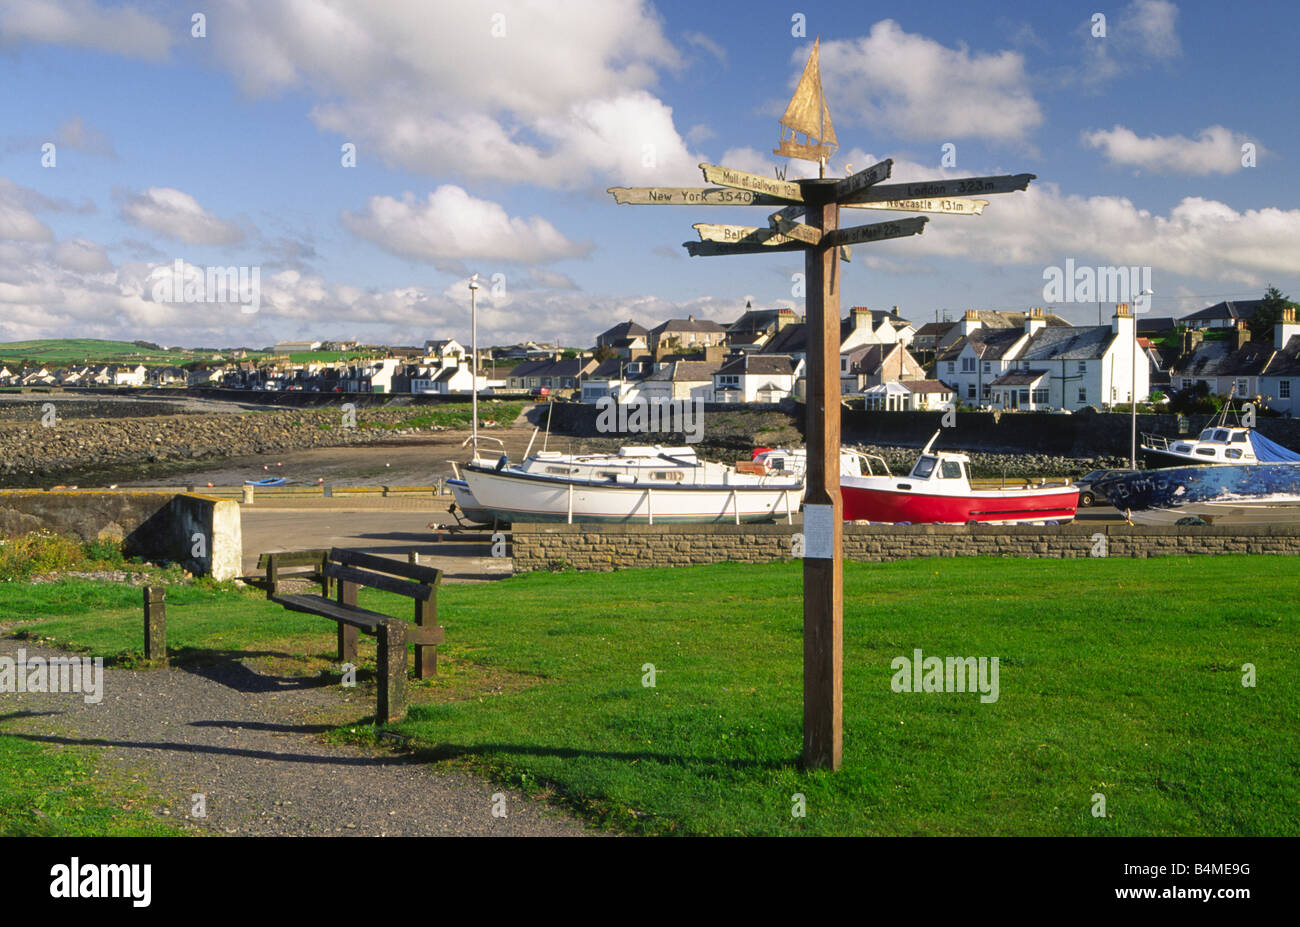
(1215, 444)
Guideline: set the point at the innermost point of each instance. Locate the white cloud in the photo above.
(82, 23)
(17, 220)
(1215, 150)
(1199, 237)
(450, 225)
(562, 95)
(178, 215)
(918, 88)
(81, 255)
(1143, 33)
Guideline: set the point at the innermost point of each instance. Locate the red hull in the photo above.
(893, 506)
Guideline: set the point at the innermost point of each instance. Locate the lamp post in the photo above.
(473, 315)
(1132, 390)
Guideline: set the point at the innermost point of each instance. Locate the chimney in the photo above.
(1034, 320)
(1285, 329)
(784, 317)
(970, 321)
(1122, 324)
(861, 317)
(895, 312)
(1241, 335)
(690, 318)
(1191, 338)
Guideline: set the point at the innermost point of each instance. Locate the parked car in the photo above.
(1086, 495)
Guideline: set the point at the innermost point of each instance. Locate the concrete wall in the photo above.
(608, 547)
(198, 531)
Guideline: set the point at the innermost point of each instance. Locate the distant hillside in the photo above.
(62, 351)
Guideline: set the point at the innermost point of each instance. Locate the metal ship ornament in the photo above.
(807, 219)
(807, 115)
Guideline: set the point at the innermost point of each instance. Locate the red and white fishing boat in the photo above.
(938, 491)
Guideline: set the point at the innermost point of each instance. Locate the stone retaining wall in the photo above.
(198, 531)
(609, 547)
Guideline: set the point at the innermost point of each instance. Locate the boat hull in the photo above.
(882, 500)
(1183, 491)
(512, 496)
(467, 504)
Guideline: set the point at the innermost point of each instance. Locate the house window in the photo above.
(987, 390)
(1040, 397)
(1083, 366)
(952, 367)
(988, 367)
(1284, 389)
(1024, 397)
(970, 391)
(1083, 394)
(968, 365)
(1243, 386)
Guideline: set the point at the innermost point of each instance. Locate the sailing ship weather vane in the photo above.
(807, 114)
(807, 219)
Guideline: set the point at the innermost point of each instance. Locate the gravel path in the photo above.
(247, 742)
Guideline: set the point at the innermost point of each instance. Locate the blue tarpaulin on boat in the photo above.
(1267, 451)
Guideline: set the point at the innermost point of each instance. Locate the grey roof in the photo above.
(628, 329)
(687, 325)
(1286, 362)
(1223, 359)
(445, 375)
(793, 339)
(1228, 309)
(679, 371)
(756, 321)
(759, 364)
(934, 329)
(1089, 342)
(988, 343)
(927, 386)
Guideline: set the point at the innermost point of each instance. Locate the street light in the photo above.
(1132, 390)
(473, 314)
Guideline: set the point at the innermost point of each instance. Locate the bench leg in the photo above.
(347, 643)
(426, 655)
(391, 672)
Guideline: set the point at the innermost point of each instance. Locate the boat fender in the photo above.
(502, 461)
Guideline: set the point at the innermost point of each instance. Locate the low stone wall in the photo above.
(609, 547)
(198, 531)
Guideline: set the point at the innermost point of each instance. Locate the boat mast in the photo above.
(473, 313)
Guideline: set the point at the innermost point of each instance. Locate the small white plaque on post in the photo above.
(819, 531)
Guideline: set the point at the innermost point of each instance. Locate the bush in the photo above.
(39, 552)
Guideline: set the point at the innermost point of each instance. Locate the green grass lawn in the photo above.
(1119, 677)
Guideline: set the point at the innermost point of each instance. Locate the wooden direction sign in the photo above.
(719, 248)
(952, 206)
(786, 190)
(804, 233)
(962, 186)
(746, 234)
(692, 196)
(863, 179)
(878, 231)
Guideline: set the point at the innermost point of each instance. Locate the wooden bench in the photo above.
(350, 570)
(296, 563)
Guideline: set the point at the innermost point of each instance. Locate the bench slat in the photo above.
(361, 618)
(379, 581)
(424, 574)
(292, 558)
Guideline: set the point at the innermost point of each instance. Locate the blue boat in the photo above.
(269, 481)
(1238, 494)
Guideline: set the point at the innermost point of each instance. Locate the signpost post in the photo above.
(821, 239)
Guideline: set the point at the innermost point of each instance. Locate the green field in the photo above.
(62, 351)
(1117, 677)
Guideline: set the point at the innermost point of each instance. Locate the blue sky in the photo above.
(486, 134)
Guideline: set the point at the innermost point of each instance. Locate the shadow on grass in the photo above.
(438, 752)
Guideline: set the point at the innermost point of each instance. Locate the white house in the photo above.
(1092, 365)
(129, 376)
(1280, 382)
(980, 355)
(756, 378)
(1233, 366)
(676, 380)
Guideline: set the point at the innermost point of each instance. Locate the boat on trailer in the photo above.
(638, 485)
(1242, 494)
(938, 491)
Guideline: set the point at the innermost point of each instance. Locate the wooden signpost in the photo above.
(819, 236)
